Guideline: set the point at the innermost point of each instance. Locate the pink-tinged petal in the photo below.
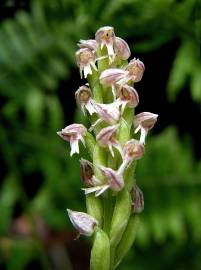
(112, 76)
(84, 223)
(146, 120)
(114, 178)
(108, 112)
(89, 44)
(136, 70)
(107, 138)
(122, 49)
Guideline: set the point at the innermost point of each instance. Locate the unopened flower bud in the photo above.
(106, 36)
(107, 138)
(84, 223)
(127, 95)
(86, 59)
(136, 69)
(144, 122)
(137, 199)
(86, 172)
(122, 49)
(84, 98)
(89, 43)
(73, 134)
(133, 150)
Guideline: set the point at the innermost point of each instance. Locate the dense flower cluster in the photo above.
(108, 99)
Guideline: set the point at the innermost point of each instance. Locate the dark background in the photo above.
(38, 78)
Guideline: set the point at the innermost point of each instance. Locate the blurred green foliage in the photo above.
(36, 53)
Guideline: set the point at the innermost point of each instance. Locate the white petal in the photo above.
(104, 188)
(74, 147)
(111, 150)
(87, 70)
(93, 65)
(90, 108)
(143, 135)
(137, 129)
(95, 124)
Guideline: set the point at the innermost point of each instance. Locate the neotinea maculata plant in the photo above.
(113, 198)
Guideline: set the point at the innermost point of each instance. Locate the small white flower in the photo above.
(133, 150)
(127, 95)
(136, 70)
(83, 97)
(84, 223)
(73, 134)
(106, 36)
(144, 122)
(107, 138)
(86, 60)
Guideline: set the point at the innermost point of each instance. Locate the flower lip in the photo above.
(84, 223)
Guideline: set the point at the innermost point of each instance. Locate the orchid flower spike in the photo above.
(133, 150)
(144, 122)
(127, 95)
(106, 36)
(73, 134)
(86, 59)
(83, 97)
(137, 200)
(90, 44)
(84, 223)
(136, 70)
(121, 49)
(107, 138)
(107, 112)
